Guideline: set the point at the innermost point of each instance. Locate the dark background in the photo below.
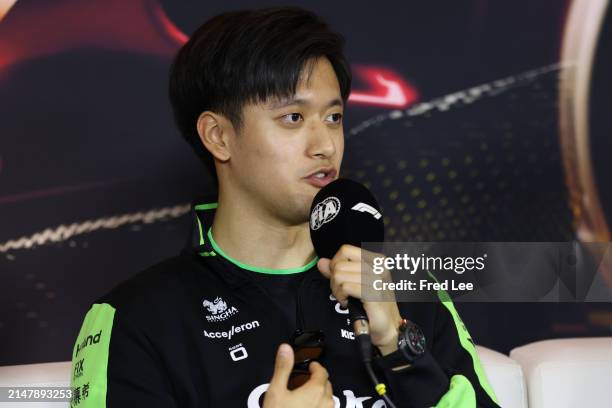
(86, 137)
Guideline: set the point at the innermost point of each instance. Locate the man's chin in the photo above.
(301, 206)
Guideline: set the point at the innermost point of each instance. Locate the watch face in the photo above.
(412, 341)
(416, 339)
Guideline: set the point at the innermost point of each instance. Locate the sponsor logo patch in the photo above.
(238, 352)
(347, 334)
(338, 307)
(218, 310)
(324, 212)
(348, 399)
(231, 332)
(78, 368)
(88, 341)
(363, 207)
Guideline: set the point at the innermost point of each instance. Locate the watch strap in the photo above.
(392, 360)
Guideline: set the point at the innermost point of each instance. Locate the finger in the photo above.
(282, 366)
(346, 266)
(346, 253)
(345, 289)
(344, 277)
(368, 256)
(339, 280)
(324, 267)
(345, 271)
(318, 374)
(328, 397)
(328, 391)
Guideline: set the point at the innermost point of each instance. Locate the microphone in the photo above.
(346, 212)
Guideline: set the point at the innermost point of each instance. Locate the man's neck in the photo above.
(253, 237)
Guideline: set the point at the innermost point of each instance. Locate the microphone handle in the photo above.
(361, 328)
(356, 310)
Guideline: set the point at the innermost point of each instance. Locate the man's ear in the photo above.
(214, 131)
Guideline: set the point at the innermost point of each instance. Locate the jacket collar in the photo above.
(204, 245)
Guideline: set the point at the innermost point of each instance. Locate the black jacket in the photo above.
(200, 330)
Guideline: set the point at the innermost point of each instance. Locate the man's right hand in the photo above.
(316, 392)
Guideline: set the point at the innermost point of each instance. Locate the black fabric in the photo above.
(282, 290)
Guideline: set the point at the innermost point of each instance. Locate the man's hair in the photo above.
(249, 56)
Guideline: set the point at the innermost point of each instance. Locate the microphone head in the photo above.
(344, 212)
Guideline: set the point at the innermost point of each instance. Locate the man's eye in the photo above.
(292, 118)
(335, 117)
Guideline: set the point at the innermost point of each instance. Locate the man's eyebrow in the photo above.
(301, 102)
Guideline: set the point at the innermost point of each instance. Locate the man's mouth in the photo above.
(322, 177)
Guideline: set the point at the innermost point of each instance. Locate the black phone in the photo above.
(308, 346)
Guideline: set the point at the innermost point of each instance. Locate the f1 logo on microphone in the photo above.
(363, 207)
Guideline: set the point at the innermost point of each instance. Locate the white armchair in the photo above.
(36, 375)
(567, 373)
(505, 376)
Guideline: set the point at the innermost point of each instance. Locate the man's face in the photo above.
(284, 144)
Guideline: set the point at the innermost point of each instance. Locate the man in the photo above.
(260, 95)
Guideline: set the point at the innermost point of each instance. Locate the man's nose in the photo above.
(322, 142)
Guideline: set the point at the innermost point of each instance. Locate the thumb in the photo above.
(282, 366)
(324, 267)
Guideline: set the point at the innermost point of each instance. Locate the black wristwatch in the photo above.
(410, 347)
(410, 340)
